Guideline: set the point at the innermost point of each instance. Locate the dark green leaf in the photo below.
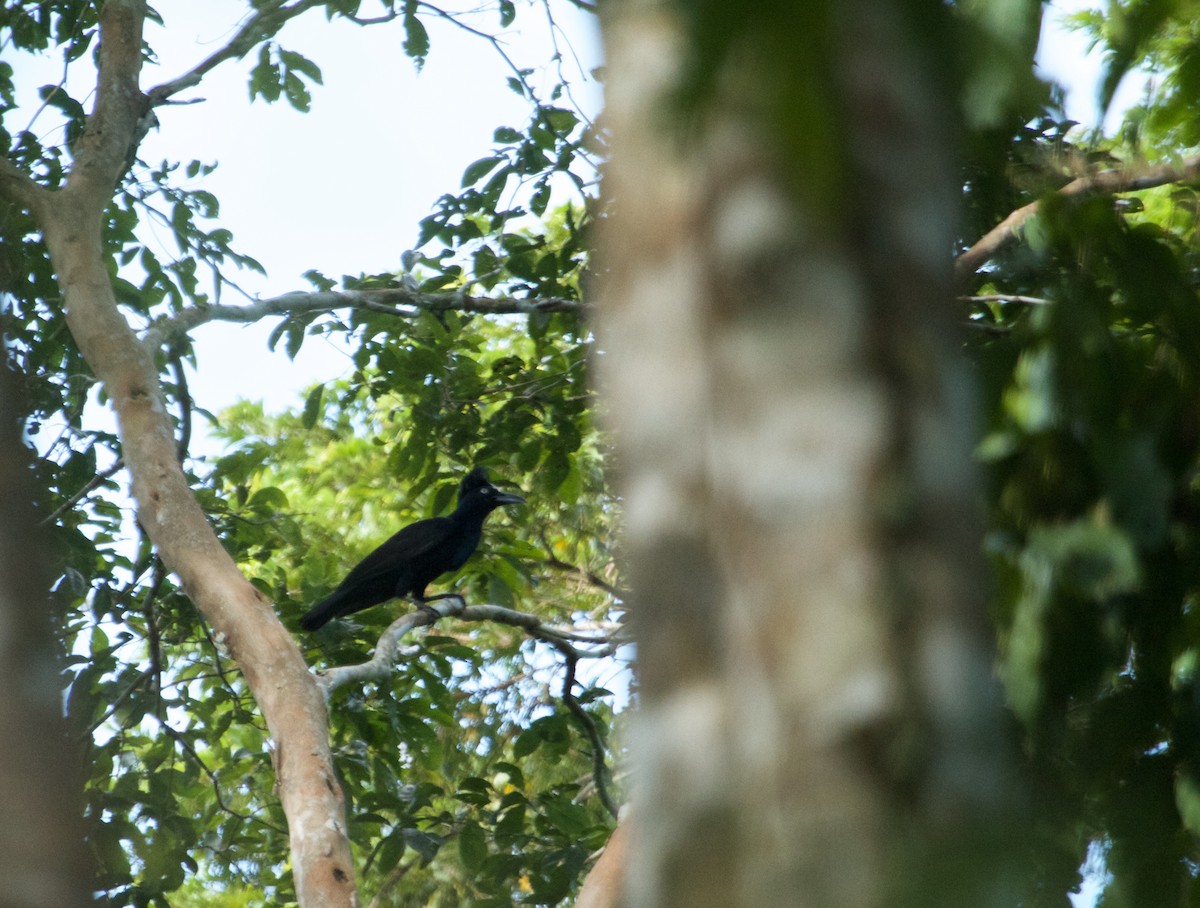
(312, 406)
(472, 846)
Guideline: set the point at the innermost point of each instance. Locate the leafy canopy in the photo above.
(471, 777)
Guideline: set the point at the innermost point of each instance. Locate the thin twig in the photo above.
(398, 873)
(264, 24)
(590, 576)
(116, 704)
(87, 489)
(153, 637)
(489, 38)
(216, 785)
(599, 767)
(185, 407)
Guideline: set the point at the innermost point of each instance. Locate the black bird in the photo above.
(405, 564)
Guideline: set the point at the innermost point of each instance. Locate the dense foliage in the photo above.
(1086, 333)
(473, 774)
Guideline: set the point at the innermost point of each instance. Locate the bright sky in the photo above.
(342, 188)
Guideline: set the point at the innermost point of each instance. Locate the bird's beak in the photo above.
(506, 498)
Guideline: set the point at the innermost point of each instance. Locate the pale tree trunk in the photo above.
(242, 619)
(793, 425)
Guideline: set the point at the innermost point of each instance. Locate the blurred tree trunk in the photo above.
(819, 725)
(43, 863)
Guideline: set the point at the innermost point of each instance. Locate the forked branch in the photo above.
(571, 643)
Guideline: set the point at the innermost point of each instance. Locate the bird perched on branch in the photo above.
(409, 561)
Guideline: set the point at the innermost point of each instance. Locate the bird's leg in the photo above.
(422, 602)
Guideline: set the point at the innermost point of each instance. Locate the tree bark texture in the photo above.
(243, 620)
(43, 862)
(793, 431)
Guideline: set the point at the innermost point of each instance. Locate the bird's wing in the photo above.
(401, 549)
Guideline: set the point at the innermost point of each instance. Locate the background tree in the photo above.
(798, 242)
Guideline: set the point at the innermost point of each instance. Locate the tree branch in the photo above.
(589, 576)
(19, 186)
(388, 650)
(1005, 298)
(265, 23)
(400, 302)
(87, 489)
(520, 74)
(1125, 179)
(391, 881)
(599, 768)
(214, 781)
(108, 139)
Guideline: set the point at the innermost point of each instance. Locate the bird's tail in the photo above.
(321, 613)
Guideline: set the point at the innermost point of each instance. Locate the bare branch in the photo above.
(489, 38)
(86, 735)
(1126, 179)
(1005, 298)
(240, 617)
(375, 20)
(214, 781)
(606, 639)
(388, 650)
(400, 302)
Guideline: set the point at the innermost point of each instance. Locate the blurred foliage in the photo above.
(468, 782)
(1086, 334)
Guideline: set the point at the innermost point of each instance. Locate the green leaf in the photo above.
(561, 120)
(416, 41)
(477, 170)
(312, 407)
(540, 198)
(424, 844)
(472, 846)
(297, 94)
(265, 77)
(293, 60)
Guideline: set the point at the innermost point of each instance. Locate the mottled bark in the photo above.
(793, 426)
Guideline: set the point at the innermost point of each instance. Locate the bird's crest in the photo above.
(476, 479)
